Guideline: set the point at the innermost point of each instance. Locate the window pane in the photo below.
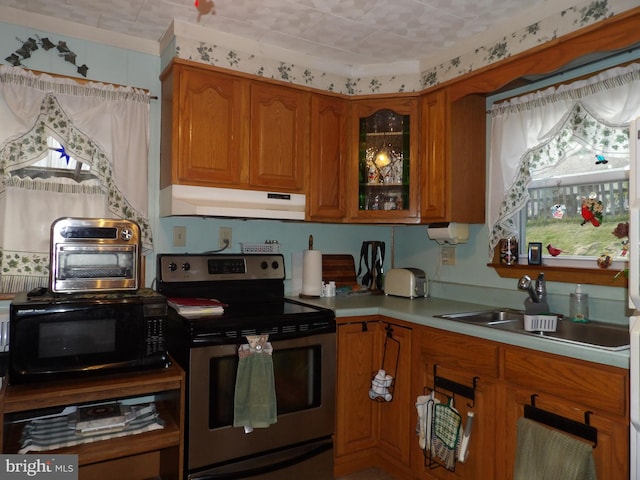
(58, 158)
(57, 166)
(568, 199)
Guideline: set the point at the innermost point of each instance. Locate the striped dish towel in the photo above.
(58, 432)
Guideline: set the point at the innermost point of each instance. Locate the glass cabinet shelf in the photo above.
(384, 161)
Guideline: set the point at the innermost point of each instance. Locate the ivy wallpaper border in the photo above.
(542, 31)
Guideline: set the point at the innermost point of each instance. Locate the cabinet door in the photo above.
(210, 131)
(570, 387)
(395, 417)
(610, 453)
(368, 431)
(329, 125)
(460, 359)
(433, 196)
(359, 349)
(279, 137)
(383, 170)
(453, 155)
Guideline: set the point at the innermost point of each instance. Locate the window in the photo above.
(98, 168)
(577, 197)
(559, 166)
(57, 163)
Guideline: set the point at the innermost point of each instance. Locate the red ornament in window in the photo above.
(204, 7)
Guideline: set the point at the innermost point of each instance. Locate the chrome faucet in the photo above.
(537, 293)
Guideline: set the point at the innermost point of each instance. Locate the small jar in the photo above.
(509, 251)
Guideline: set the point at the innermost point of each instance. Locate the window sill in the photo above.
(588, 276)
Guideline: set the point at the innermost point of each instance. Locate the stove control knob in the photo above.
(173, 267)
(264, 265)
(186, 267)
(275, 265)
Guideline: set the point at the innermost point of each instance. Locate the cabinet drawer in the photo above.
(461, 352)
(596, 386)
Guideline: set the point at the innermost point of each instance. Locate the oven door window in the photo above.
(85, 268)
(297, 373)
(95, 262)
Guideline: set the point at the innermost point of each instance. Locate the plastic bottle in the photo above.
(579, 306)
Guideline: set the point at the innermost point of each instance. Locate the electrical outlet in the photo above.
(179, 236)
(448, 255)
(225, 237)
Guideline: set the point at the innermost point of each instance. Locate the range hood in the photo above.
(230, 202)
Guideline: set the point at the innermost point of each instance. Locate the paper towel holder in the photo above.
(448, 233)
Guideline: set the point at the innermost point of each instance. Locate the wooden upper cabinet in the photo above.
(227, 130)
(204, 132)
(452, 186)
(383, 165)
(433, 197)
(329, 133)
(279, 137)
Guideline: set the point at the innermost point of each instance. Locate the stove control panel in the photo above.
(221, 267)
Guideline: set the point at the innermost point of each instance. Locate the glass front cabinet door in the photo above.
(386, 161)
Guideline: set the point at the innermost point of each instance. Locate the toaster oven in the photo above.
(94, 254)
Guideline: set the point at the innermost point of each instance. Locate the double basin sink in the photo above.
(593, 334)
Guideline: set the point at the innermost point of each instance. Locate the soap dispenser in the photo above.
(579, 306)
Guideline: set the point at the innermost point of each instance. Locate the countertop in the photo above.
(421, 311)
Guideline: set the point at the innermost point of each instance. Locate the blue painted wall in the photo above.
(468, 279)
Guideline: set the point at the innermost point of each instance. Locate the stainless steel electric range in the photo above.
(299, 444)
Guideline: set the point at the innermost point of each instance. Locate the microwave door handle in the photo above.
(160, 359)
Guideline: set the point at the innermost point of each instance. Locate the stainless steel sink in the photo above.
(594, 334)
(488, 317)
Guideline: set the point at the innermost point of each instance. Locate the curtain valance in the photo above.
(100, 125)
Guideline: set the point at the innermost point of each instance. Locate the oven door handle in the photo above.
(311, 451)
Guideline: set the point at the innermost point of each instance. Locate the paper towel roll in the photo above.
(312, 273)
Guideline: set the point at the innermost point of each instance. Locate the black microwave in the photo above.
(79, 335)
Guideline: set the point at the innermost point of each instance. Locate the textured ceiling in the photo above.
(345, 31)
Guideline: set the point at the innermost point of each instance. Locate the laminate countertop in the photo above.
(421, 311)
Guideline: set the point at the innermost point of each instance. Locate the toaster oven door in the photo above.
(95, 267)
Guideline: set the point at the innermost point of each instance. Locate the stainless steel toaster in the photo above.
(406, 282)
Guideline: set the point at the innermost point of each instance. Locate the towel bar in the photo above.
(454, 387)
(573, 427)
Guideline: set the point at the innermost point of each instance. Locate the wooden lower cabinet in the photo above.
(372, 433)
(569, 388)
(152, 455)
(507, 378)
(473, 364)
(503, 379)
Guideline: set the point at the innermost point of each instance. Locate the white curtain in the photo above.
(528, 127)
(103, 126)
